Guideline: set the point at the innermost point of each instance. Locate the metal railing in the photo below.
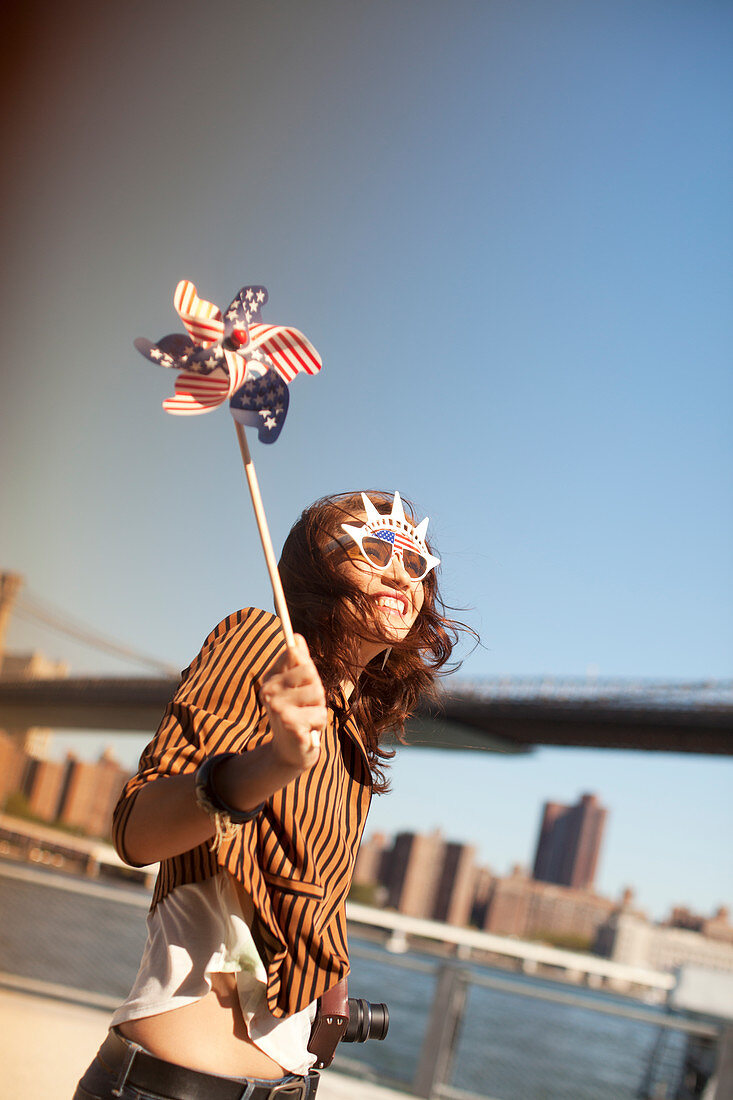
(529, 953)
(434, 1075)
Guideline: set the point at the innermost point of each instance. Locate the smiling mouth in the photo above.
(393, 603)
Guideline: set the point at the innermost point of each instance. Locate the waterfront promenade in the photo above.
(60, 980)
(46, 1043)
(69, 950)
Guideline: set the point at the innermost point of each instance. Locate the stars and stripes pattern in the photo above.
(262, 404)
(202, 319)
(233, 356)
(290, 351)
(248, 305)
(197, 393)
(399, 540)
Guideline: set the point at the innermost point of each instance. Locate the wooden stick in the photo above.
(254, 491)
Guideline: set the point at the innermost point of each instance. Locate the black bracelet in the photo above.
(209, 799)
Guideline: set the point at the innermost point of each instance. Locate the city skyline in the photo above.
(708, 891)
(437, 836)
(125, 748)
(431, 877)
(426, 875)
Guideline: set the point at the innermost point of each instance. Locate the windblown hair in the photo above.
(334, 616)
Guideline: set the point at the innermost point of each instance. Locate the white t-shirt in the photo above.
(200, 929)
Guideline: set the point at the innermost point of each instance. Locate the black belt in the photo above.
(134, 1066)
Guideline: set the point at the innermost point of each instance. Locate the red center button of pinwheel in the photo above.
(239, 337)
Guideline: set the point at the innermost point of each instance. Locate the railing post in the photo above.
(441, 1035)
(724, 1073)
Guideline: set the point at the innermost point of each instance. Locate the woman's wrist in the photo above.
(209, 796)
(245, 780)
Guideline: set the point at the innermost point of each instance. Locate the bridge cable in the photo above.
(30, 608)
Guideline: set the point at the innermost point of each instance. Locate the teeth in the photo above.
(388, 601)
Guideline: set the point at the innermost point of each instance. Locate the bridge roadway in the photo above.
(510, 715)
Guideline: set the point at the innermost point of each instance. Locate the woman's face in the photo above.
(395, 597)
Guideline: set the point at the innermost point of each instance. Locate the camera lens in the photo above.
(366, 1021)
(379, 1025)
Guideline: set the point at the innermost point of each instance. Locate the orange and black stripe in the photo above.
(297, 857)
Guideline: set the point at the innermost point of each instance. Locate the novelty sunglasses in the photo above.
(383, 536)
(379, 549)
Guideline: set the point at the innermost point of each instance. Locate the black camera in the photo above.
(344, 1019)
(366, 1021)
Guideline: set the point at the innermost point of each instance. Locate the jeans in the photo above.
(101, 1083)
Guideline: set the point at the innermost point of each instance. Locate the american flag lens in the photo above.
(377, 551)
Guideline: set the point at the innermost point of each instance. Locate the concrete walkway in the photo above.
(46, 1044)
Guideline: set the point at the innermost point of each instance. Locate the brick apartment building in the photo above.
(413, 873)
(71, 792)
(456, 887)
(43, 784)
(90, 793)
(13, 760)
(715, 927)
(520, 906)
(369, 869)
(569, 843)
(421, 875)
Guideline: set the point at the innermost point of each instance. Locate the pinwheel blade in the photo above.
(291, 351)
(201, 318)
(197, 393)
(262, 403)
(238, 370)
(247, 306)
(168, 351)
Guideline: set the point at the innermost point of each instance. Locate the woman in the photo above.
(253, 796)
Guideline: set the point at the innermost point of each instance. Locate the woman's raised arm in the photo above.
(165, 819)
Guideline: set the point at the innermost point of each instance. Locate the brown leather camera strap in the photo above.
(330, 1024)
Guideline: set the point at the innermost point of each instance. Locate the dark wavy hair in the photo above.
(334, 616)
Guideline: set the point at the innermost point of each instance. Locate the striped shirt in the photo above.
(296, 858)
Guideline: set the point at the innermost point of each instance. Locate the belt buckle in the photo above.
(290, 1090)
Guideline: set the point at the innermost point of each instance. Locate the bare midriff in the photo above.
(208, 1035)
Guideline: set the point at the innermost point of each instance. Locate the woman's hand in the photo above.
(293, 696)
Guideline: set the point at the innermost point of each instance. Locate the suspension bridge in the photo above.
(502, 714)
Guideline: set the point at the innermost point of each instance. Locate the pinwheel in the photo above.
(236, 356)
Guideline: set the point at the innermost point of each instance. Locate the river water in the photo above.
(510, 1047)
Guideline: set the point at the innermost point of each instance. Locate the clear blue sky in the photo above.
(507, 227)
